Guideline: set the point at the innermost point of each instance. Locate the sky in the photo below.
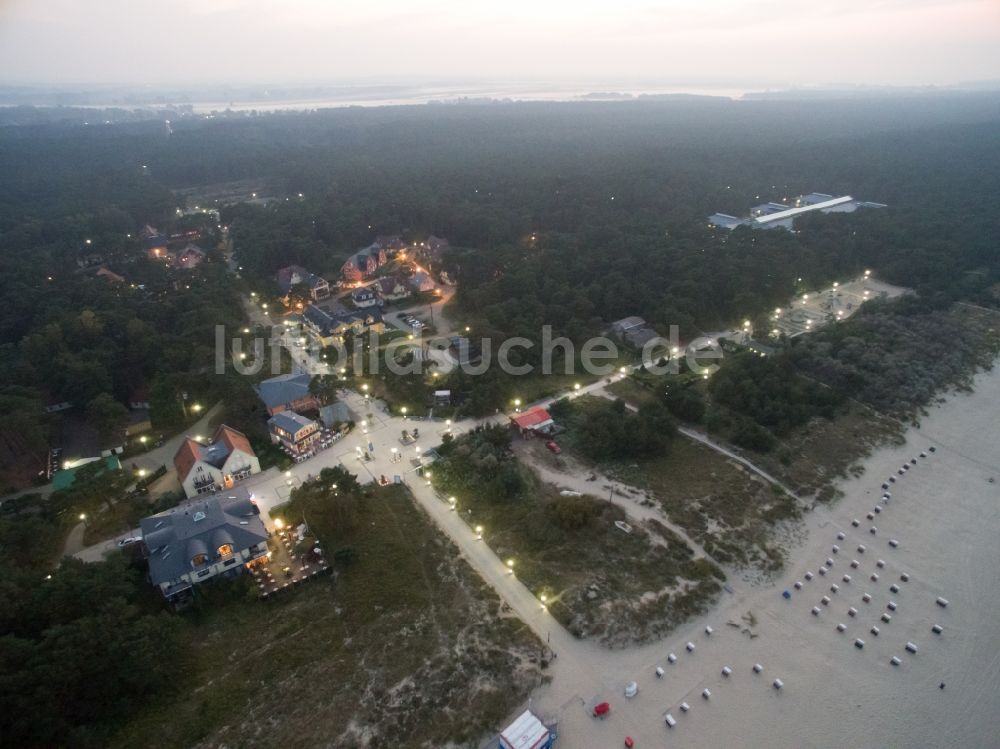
(725, 42)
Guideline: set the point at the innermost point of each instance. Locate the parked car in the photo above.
(553, 446)
(129, 541)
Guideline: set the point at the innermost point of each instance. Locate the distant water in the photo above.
(374, 97)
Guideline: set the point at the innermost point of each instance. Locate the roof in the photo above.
(286, 388)
(389, 284)
(215, 453)
(200, 526)
(362, 294)
(335, 413)
(328, 322)
(291, 275)
(627, 323)
(64, 478)
(421, 282)
(533, 419)
(725, 221)
(790, 212)
(526, 732)
(290, 421)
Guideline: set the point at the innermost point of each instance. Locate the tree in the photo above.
(109, 418)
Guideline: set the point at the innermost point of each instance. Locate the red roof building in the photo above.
(533, 420)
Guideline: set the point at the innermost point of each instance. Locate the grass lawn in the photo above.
(727, 509)
(600, 582)
(405, 646)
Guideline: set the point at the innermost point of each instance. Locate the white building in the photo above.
(203, 469)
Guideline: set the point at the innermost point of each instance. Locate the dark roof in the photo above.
(200, 526)
(290, 421)
(328, 322)
(286, 388)
(215, 453)
(291, 275)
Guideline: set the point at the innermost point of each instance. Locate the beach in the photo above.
(944, 515)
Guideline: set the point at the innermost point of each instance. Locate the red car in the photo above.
(553, 446)
(629, 743)
(601, 710)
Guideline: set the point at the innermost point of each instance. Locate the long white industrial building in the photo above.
(782, 215)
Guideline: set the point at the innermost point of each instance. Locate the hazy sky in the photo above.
(744, 42)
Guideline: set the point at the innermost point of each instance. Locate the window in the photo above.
(198, 560)
(226, 550)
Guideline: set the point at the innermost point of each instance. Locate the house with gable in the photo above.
(217, 465)
(211, 536)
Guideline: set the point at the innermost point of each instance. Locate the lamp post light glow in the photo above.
(196, 407)
(143, 439)
(544, 599)
(479, 532)
(510, 566)
(453, 502)
(576, 386)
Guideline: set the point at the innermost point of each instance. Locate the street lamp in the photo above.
(365, 387)
(479, 532)
(453, 502)
(543, 598)
(143, 439)
(576, 386)
(196, 407)
(403, 411)
(517, 404)
(510, 566)
(83, 516)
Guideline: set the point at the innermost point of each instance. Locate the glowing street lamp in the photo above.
(479, 532)
(576, 386)
(544, 599)
(196, 407)
(143, 439)
(279, 523)
(510, 566)
(517, 404)
(453, 502)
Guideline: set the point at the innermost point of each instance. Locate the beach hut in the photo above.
(757, 668)
(855, 522)
(893, 543)
(672, 658)
(841, 536)
(778, 683)
(670, 720)
(867, 598)
(852, 611)
(834, 588)
(836, 548)
(877, 510)
(659, 672)
(808, 576)
(891, 605)
(829, 562)
(706, 694)
(879, 563)
(798, 585)
(855, 564)
(895, 660)
(815, 610)
(873, 530)
(822, 571)
(932, 449)
(825, 600)
(684, 707)
(708, 631)
(846, 578)
(874, 577)
(904, 577)
(894, 588)
(886, 618)
(690, 647)
(875, 631)
(937, 629)
(910, 647)
(859, 643)
(861, 549)
(841, 627)
(942, 602)
(727, 671)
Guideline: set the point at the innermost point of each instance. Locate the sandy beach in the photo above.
(944, 515)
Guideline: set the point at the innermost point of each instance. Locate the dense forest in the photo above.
(570, 215)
